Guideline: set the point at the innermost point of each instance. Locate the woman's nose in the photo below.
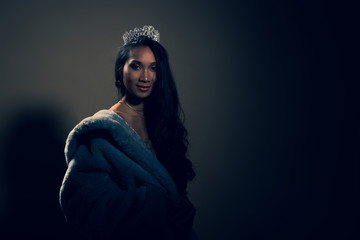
(145, 75)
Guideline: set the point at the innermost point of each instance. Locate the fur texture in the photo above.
(114, 185)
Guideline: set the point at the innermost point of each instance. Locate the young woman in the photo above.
(127, 166)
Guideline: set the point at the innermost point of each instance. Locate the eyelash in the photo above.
(135, 66)
(138, 67)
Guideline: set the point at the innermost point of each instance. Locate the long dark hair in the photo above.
(163, 113)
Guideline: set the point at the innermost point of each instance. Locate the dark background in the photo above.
(269, 88)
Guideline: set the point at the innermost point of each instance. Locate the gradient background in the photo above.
(268, 87)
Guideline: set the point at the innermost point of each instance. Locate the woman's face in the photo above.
(139, 72)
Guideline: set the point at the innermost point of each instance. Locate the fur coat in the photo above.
(114, 187)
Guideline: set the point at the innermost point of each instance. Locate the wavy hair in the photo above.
(164, 116)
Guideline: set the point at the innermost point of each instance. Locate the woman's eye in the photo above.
(153, 68)
(135, 66)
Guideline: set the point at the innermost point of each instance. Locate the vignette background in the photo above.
(268, 88)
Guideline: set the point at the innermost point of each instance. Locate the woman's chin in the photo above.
(137, 95)
(142, 94)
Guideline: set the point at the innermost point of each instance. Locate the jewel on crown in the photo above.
(148, 31)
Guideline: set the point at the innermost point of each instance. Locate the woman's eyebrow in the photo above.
(139, 62)
(135, 61)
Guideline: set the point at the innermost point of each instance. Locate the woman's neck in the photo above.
(134, 103)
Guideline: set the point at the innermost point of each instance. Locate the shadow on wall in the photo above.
(34, 168)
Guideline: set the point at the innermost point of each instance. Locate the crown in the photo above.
(147, 31)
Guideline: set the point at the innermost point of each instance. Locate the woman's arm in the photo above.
(104, 193)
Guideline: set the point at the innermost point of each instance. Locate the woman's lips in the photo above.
(143, 88)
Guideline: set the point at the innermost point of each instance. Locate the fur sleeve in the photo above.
(106, 194)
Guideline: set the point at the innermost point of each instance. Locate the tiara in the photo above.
(147, 31)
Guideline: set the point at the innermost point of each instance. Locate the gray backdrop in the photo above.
(266, 86)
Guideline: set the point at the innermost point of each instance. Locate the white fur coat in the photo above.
(114, 186)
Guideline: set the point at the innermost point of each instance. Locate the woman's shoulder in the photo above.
(101, 120)
(106, 129)
(104, 124)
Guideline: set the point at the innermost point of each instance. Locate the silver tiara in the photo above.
(148, 31)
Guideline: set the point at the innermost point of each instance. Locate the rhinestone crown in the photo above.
(148, 31)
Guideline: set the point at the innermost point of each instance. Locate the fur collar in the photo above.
(127, 138)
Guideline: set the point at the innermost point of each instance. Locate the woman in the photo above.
(127, 166)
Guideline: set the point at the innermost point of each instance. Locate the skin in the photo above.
(139, 76)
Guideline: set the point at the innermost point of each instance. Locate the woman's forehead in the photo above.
(141, 54)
